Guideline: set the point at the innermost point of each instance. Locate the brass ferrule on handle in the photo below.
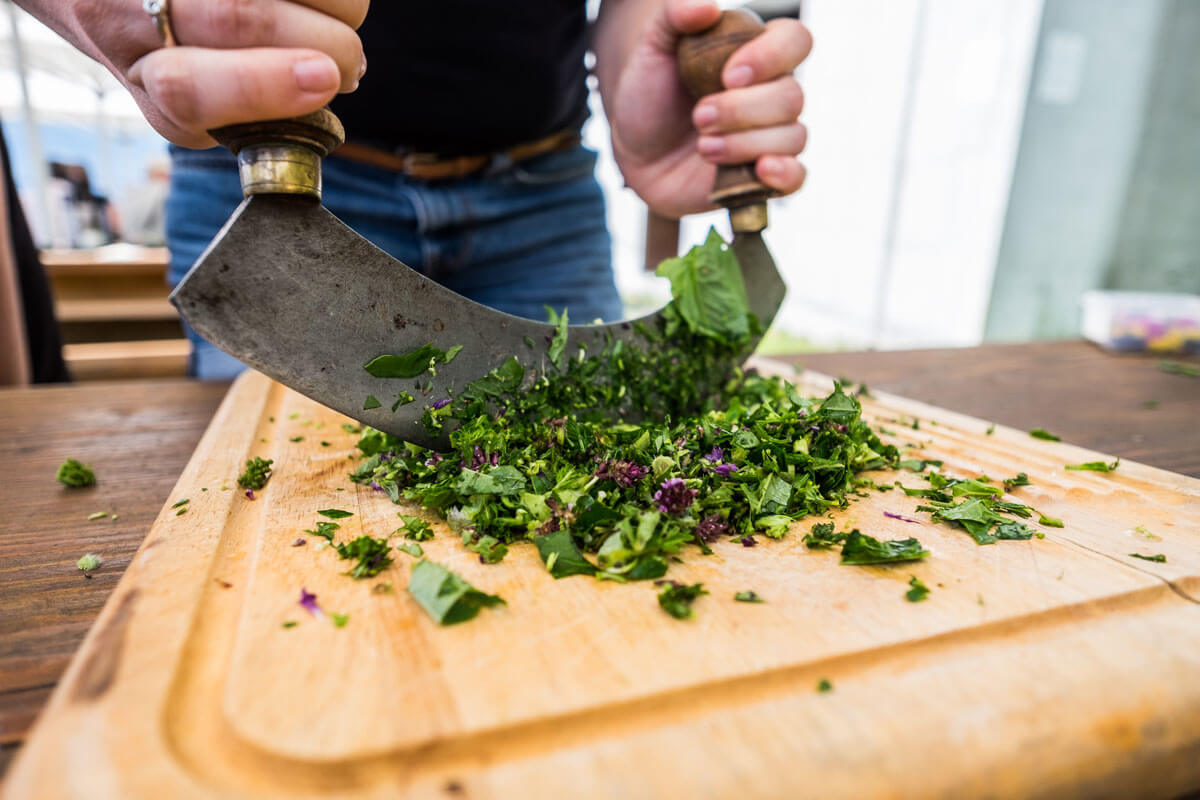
(701, 58)
(283, 156)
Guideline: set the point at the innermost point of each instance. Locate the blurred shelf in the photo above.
(115, 309)
(151, 358)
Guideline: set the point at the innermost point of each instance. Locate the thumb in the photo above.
(677, 17)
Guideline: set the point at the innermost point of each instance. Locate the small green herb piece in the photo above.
(325, 530)
(1038, 433)
(382, 588)
(334, 513)
(1021, 480)
(561, 556)
(490, 549)
(324, 443)
(296, 439)
(411, 364)
(1095, 466)
(89, 562)
(257, 473)
(97, 515)
(824, 685)
(371, 402)
(291, 623)
(415, 528)
(1179, 368)
(338, 620)
(75, 474)
(181, 511)
(748, 596)
(676, 598)
(919, 464)
(918, 592)
(445, 596)
(182, 502)
(350, 428)
(1150, 405)
(991, 429)
(372, 556)
(823, 537)
(1145, 532)
(403, 399)
(294, 415)
(412, 548)
(860, 549)
(1158, 558)
(1050, 522)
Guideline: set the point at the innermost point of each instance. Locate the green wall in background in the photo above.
(1079, 141)
(1158, 238)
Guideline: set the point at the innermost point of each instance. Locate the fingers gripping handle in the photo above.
(283, 156)
(701, 57)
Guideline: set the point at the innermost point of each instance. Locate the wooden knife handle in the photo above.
(283, 156)
(701, 58)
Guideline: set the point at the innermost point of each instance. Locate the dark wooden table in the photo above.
(139, 435)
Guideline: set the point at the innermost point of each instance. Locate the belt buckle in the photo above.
(412, 161)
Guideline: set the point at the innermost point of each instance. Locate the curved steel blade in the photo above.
(289, 289)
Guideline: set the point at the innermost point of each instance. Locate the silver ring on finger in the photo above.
(160, 13)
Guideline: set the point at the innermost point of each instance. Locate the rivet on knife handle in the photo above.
(283, 156)
(701, 58)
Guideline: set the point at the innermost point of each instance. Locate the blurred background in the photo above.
(976, 170)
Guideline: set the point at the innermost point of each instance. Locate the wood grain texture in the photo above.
(1060, 667)
(1075, 389)
(138, 437)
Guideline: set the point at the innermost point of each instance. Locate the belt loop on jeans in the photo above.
(434, 167)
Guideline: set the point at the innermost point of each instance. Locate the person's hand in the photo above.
(667, 144)
(239, 60)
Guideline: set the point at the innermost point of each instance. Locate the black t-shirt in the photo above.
(468, 76)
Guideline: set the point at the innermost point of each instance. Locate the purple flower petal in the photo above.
(674, 497)
(748, 541)
(376, 486)
(309, 601)
(716, 456)
(250, 493)
(902, 518)
(441, 403)
(725, 470)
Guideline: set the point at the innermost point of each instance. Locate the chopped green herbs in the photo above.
(748, 597)
(412, 548)
(97, 515)
(291, 623)
(561, 556)
(296, 439)
(445, 596)
(325, 530)
(1158, 558)
(1179, 368)
(75, 474)
(415, 528)
(89, 562)
(411, 364)
(676, 598)
(1038, 433)
(991, 429)
(371, 556)
(1050, 522)
(335, 513)
(824, 685)
(860, 549)
(179, 503)
(1146, 533)
(1012, 483)
(1095, 466)
(338, 620)
(256, 474)
(918, 592)
(371, 402)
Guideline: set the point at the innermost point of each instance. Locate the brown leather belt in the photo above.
(434, 167)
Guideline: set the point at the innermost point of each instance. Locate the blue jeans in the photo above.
(518, 239)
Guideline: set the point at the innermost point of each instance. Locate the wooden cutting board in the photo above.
(1055, 667)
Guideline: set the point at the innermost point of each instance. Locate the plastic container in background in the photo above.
(1133, 321)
